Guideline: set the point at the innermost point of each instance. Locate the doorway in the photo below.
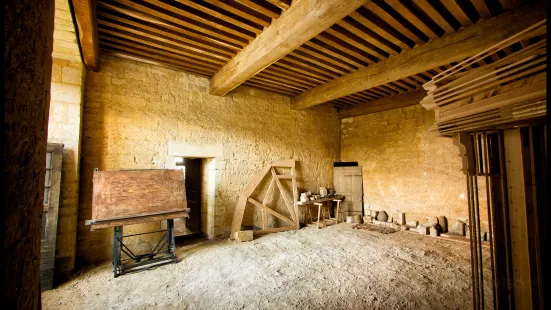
(193, 168)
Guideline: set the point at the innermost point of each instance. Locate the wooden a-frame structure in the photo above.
(276, 180)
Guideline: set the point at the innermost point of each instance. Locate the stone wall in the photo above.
(134, 112)
(64, 126)
(405, 167)
(28, 39)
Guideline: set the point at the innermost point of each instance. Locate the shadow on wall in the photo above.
(91, 243)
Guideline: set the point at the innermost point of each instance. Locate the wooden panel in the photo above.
(517, 218)
(442, 51)
(121, 194)
(348, 183)
(50, 215)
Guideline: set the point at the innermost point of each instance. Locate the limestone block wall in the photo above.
(404, 166)
(64, 126)
(28, 40)
(133, 112)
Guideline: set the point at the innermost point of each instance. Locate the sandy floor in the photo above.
(332, 268)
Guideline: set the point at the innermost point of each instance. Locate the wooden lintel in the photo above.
(442, 51)
(302, 21)
(384, 104)
(85, 15)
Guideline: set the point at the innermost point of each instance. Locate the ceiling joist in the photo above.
(301, 22)
(439, 52)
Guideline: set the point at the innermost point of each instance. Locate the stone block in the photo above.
(382, 216)
(434, 231)
(412, 224)
(71, 75)
(376, 222)
(401, 219)
(243, 235)
(422, 230)
(458, 228)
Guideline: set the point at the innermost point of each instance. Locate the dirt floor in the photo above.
(332, 268)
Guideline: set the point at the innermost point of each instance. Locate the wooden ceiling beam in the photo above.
(149, 56)
(373, 10)
(384, 104)
(452, 47)
(117, 53)
(183, 32)
(168, 46)
(111, 41)
(282, 4)
(327, 58)
(155, 34)
(264, 8)
(222, 39)
(220, 25)
(315, 60)
(235, 21)
(301, 22)
(435, 15)
(329, 50)
(241, 10)
(85, 15)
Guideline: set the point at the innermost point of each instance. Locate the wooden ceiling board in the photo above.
(201, 36)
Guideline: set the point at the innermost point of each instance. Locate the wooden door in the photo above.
(193, 193)
(348, 182)
(49, 217)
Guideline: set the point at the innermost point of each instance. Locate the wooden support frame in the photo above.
(450, 48)
(275, 181)
(85, 15)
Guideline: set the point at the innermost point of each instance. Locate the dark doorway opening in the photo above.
(193, 177)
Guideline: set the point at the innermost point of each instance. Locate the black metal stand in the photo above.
(137, 262)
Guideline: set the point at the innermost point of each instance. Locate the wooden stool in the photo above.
(338, 201)
(320, 205)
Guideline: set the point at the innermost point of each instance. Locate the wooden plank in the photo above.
(304, 20)
(85, 15)
(139, 220)
(273, 230)
(137, 192)
(261, 7)
(288, 202)
(442, 51)
(384, 104)
(272, 212)
(282, 4)
(116, 218)
(284, 176)
(517, 219)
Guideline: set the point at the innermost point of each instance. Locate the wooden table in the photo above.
(319, 203)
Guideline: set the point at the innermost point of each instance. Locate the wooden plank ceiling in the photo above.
(201, 36)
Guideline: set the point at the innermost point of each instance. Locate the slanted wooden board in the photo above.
(137, 196)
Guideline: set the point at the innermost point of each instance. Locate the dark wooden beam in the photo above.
(442, 51)
(384, 104)
(85, 15)
(301, 22)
